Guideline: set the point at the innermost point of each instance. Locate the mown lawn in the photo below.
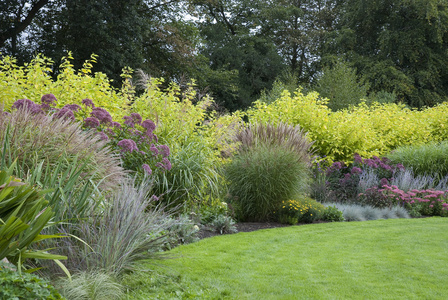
(382, 259)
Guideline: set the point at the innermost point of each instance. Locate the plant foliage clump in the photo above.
(25, 285)
(428, 159)
(271, 166)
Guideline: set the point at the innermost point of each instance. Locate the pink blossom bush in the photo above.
(428, 202)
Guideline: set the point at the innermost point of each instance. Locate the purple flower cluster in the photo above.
(164, 150)
(164, 164)
(149, 125)
(48, 101)
(136, 118)
(65, 113)
(72, 107)
(29, 105)
(127, 145)
(147, 169)
(102, 115)
(88, 103)
(91, 122)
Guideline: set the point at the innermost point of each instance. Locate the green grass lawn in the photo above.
(383, 259)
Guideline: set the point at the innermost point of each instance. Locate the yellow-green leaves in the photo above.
(367, 130)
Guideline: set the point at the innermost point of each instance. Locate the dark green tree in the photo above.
(16, 16)
(243, 61)
(400, 46)
(299, 28)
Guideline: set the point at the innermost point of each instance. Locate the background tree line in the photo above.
(241, 50)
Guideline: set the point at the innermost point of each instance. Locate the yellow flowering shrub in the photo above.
(303, 210)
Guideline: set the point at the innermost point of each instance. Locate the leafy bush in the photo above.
(375, 197)
(34, 80)
(91, 285)
(429, 202)
(270, 166)
(333, 214)
(303, 210)
(428, 159)
(184, 231)
(23, 215)
(361, 178)
(368, 130)
(25, 285)
(223, 224)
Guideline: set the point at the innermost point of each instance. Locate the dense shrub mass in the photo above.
(31, 136)
(368, 130)
(271, 166)
(24, 286)
(428, 159)
(303, 210)
(192, 168)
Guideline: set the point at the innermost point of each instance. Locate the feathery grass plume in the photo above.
(131, 228)
(33, 138)
(280, 135)
(405, 180)
(272, 165)
(367, 180)
(429, 159)
(91, 285)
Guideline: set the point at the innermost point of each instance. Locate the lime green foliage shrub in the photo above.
(71, 86)
(367, 130)
(24, 286)
(303, 210)
(429, 159)
(23, 214)
(332, 214)
(271, 166)
(182, 117)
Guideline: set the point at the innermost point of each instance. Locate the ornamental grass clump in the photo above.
(32, 138)
(271, 166)
(428, 159)
(132, 227)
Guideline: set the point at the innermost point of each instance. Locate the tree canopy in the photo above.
(235, 49)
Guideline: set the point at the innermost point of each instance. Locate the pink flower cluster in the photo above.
(430, 198)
